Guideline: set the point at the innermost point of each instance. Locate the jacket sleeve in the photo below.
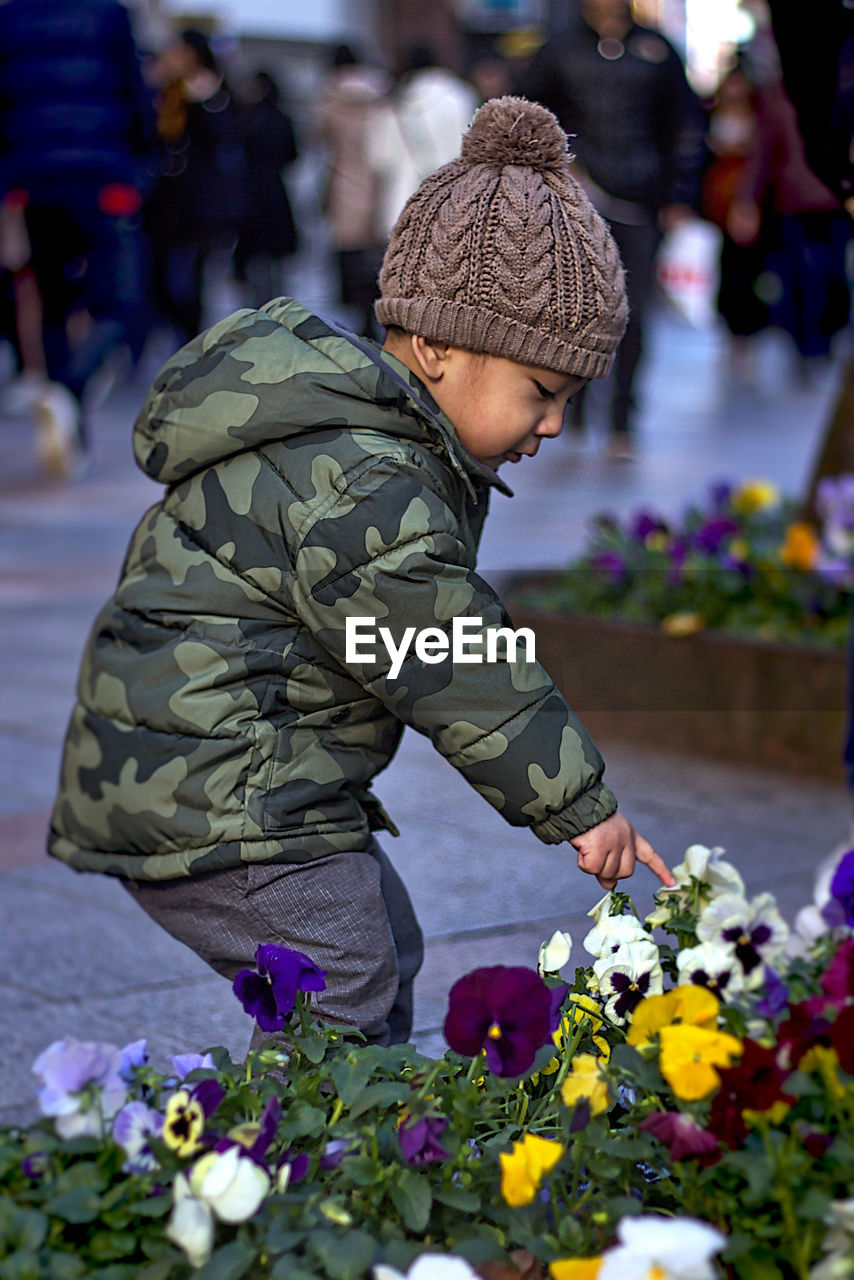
(395, 559)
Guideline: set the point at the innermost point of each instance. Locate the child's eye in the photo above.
(544, 391)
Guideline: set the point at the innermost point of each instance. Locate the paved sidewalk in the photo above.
(76, 957)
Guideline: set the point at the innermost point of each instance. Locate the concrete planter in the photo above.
(778, 705)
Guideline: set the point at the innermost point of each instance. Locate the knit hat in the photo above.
(501, 251)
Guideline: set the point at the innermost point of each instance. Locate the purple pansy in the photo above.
(335, 1151)
(506, 1012)
(720, 495)
(296, 1162)
(557, 995)
(35, 1165)
(134, 1055)
(837, 982)
(776, 997)
(713, 533)
(132, 1128)
(644, 523)
(270, 994)
(81, 1085)
(184, 1063)
(610, 564)
(420, 1140)
(267, 1126)
(842, 886)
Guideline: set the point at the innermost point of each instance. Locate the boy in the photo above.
(229, 720)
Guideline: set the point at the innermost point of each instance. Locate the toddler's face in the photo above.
(502, 410)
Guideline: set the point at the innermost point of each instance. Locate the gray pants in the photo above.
(350, 913)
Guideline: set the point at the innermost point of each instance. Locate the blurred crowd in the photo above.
(126, 172)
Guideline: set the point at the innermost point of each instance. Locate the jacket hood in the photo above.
(258, 377)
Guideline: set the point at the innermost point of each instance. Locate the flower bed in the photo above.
(724, 634)
(682, 1108)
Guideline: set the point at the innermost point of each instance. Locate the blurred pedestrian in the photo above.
(419, 130)
(345, 121)
(268, 233)
(201, 194)
(75, 129)
(812, 299)
(732, 139)
(619, 89)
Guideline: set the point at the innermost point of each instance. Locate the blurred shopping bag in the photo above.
(687, 269)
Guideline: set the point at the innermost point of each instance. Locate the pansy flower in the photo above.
(586, 1084)
(554, 954)
(420, 1140)
(651, 1246)
(755, 930)
(753, 1086)
(704, 865)
(270, 994)
(712, 966)
(134, 1125)
(81, 1085)
(696, 1006)
(186, 1113)
(255, 1137)
(837, 981)
(683, 1137)
(221, 1185)
(523, 1169)
(776, 997)
(690, 1058)
(503, 1011)
(803, 1029)
(626, 977)
(612, 932)
(842, 887)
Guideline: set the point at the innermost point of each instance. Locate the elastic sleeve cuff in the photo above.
(586, 811)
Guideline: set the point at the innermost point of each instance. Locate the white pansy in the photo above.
(430, 1266)
(809, 926)
(229, 1183)
(613, 932)
(656, 1248)
(755, 929)
(135, 1124)
(191, 1225)
(555, 953)
(699, 863)
(602, 907)
(713, 966)
(627, 977)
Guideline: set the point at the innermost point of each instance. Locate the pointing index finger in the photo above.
(647, 855)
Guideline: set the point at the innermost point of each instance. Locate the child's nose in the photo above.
(552, 422)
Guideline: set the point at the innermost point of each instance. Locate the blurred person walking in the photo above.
(732, 139)
(75, 131)
(419, 129)
(811, 229)
(200, 200)
(619, 90)
(345, 121)
(268, 234)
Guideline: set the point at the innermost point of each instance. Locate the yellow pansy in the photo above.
(575, 1268)
(658, 540)
(739, 549)
(183, 1124)
(584, 1083)
(824, 1060)
(682, 624)
(800, 546)
(524, 1168)
(696, 1006)
(755, 495)
(774, 1115)
(689, 1055)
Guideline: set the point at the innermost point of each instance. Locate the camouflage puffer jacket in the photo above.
(310, 478)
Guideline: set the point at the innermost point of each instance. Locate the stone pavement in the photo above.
(77, 957)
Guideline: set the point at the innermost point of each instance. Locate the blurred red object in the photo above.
(119, 200)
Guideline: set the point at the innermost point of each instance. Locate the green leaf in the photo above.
(302, 1120)
(314, 1047)
(82, 1204)
(288, 1268)
(344, 1257)
(757, 1265)
(22, 1265)
(107, 1245)
(387, 1093)
(411, 1196)
(458, 1198)
(231, 1262)
(350, 1078)
(64, 1266)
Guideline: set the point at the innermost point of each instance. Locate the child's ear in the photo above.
(431, 356)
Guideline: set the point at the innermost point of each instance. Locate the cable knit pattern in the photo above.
(500, 251)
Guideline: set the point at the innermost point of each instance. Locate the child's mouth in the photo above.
(513, 456)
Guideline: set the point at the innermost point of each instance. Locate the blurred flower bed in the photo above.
(682, 1107)
(741, 562)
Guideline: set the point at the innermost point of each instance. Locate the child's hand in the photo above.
(609, 852)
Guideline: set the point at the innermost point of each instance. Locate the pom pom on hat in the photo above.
(513, 131)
